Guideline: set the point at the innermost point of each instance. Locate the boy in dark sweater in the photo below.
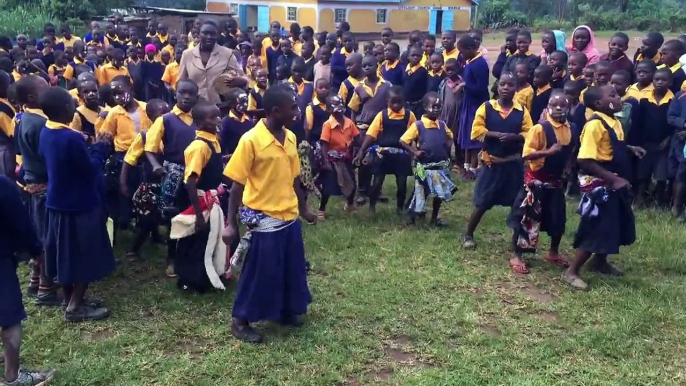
(338, 68)
(273, 52)
(236, 123)
(618, 45)
(670, 53)
(436, 72)
(650, 48)
(415, 78)
(576, 64)
(288, 56)
(507, 49)
(654, 133)
(542, 77)
(391, 69)
(644, 79)
(558, 61)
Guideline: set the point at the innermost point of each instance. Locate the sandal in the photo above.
(575, 282)
(86, 313)
(468, 242)
(439, 223)
(321, 215)
(559, 260)
(170, 272)
(519, 268)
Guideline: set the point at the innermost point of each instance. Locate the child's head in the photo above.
(306, 34)
(429, 45)
(558, 106)
(131, 52)
(105, 94)
(662, 80)
(369, 67)
(368, 48)
(621, 80)
(543, 75)
(523, 41)
(582, 37)
(186, 94)
(286, 47)
(335, 106)
(618, 45)
(275, 35)
(331, 40)
(118, 57)
(603, 99)
(295, 31)
(325, 56)
(254, 63)
(353, 65)
(65, 30)
(321, 38)
(436, 61)
(22, 41)
(379, 52)
(448, 40)
(162, 29)
(415, 38)
(257, 47)
(511, 40)
(6, 64)
(414, 56)
(548, 41)
(322, 88)
(650, 46)
(282, 72)
(261, 78)
(280, 105)
(557, 60)
(121, 90)
(386, 36)
(522, 74)
(645, 70)
(477, 35)
(206, 116)
(150, 51)
(178, 52)
(432, 105)
(88, 91)
(572, 89)
(32, 53)
(57, 105)
(396, 99)
(173, 40)
(452, 69)
(348, 41)
(391, 52)
(603, 72)
(671, 51)
(237, 100)
(589, 74)
(165, 56)
(109, 28)
(29, 88)
(468, 47)
(61, 58)
(156, 108)
(308, 49)
(298, 69)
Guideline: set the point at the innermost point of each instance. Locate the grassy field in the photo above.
(394, 305)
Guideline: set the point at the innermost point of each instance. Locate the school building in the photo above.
(364, 16)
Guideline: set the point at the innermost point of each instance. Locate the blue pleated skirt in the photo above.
(273, 284)
(498, 184)
(11, 307)
(77, 248)
(614, 226)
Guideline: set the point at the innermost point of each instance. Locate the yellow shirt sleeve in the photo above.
(153, 141)
(591, 141)
(376, 126)
(412, 119)
(110, 125)
(343, 92)
(101, 75)
(448, 132)
(355, 102)
(252, 103)
(76, 123)
(69, 72)
(7, 125)
(534, 140)
(410, 135)
(295, 161)
(239, 166)
(196, 157)
(51, 69)
(167, 76)
(527, 123)
(479, 129)
(135, 151)
(528, 100)
(309, 118)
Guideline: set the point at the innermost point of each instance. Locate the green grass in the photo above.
(395, 305)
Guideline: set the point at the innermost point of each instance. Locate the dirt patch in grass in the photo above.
(537, 294)
(490, 330)
(549, 317)
(382, 374)
(99, 334)
(195, 347)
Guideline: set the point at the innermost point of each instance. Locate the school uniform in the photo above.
(500, 178)
(338, 71)
(432, 175)
(287, 61)
(622, 63)
(77, 245)
(540, 102)
(388, 155)
(532, 62)
(638, 58)
(434, 80)
(500, 63)
(678, 76)
(87, 121)
(70, 71)
(272, 55)
(255, 98)
(414, 87)
(168, 137)
(146, 193)
(315, 117)
(135, 68)
(171, 74)
(16, 235)
(574, 78)
(392, 72)
(540, 204)
(475, 93)
(651, 130)
(309, 68)
(525, 96)
(152, 72)
(374, 102)
(347, 90)
(8, 151)
(676, 116)
(339, 138)
(305, 94)
(560, 82)
(233, 128)
(450, 54)
(639, 93)
(201, 255)
(607, 220)
(273, 282)
(107, 72)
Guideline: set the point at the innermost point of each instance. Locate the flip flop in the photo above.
(520, 269)
(560, 261)
(468, 242)
(575, 282)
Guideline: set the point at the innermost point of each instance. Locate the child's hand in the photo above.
(664, 144)
(158, 171)
(620, 183)
(230, 233)
(681, 135)
(638, 151)
(417, 153)
(358, 159)
(508, 137)
(309, 217)
(556, 148)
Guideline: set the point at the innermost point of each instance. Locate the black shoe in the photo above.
(32, 291)
(361, 200)
(295, 321)
(48, 299)
(91, 302)
(606, 269)
(438, 223)
(383, 199)
(86, 313)
(243, 331)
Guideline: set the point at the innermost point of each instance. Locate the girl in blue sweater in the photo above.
(78, 250)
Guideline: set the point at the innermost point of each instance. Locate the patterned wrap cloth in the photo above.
(340, 162)
(431, 179)
(528, 234)
(255, 221)
(173, 176)
(307, 176)
(594, 193)
(146, 200)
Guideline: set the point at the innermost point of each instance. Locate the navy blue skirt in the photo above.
(190, 262)
(77, 248)
(329, 180)
(11, 307)
(273, 284)
(653, 164)
(613, 227)
(396, 164)
(498, 184)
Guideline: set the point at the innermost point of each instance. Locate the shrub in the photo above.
(25, 19)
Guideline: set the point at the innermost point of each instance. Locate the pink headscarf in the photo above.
(591, 53)
(150, 48)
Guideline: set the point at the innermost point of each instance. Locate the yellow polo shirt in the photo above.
(198, 153)
(153, 140)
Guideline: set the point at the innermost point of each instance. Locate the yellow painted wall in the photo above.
(277, 13)
(461, 21)
(363, 20)
(326, 20)
(307, 17)
(438, 3)
(408, 20)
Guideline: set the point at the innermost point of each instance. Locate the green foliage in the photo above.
(72, 9)
(497, 14)
(25, 18)
(181, 4)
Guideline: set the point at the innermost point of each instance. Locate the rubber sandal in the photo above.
(560, 261)
(520, 269)
(468, 242)
(575, 282)
(321, 215)
(170, 272)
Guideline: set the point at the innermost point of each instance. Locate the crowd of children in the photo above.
(131, 143)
